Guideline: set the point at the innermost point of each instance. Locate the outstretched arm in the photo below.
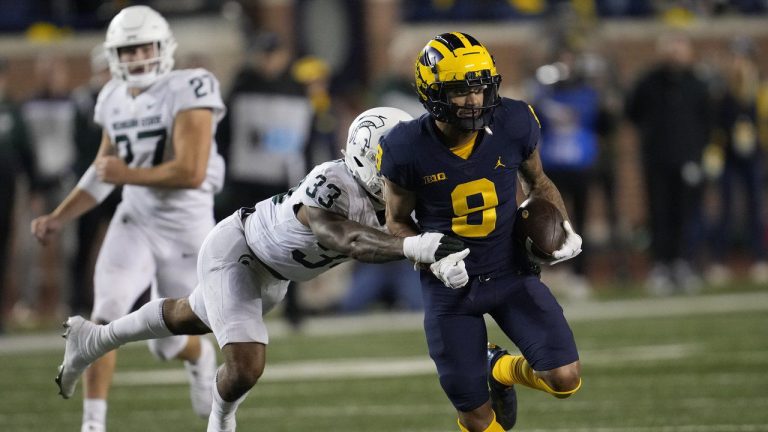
(366, 244)
(350, 238)
(79, 201)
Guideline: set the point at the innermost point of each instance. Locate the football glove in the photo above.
(570, 248)
(430, 247)
(451, 270)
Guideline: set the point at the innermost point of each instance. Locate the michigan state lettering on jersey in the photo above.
(473, 198)
(141, 129)
(287, 246)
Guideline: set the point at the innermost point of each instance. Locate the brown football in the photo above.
(539, 228)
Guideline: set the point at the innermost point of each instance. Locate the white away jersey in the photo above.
(284, 244)
(141, 129)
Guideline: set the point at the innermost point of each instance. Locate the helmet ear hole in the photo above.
(357, 161)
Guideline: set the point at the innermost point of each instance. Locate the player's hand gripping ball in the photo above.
(539, 229)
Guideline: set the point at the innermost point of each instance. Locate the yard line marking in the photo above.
(666, 307)
(406, 321)
(299, 371)
(314, 370)
(621, 355)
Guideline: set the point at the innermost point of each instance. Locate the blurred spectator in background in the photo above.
(267, 126)
(16, 156)
(672, 111)
(742, 121)
(50, 117)
(315, 75)
(265, 135)
(91, 227)
(395, 87)
(569, 108)
(394, 285)
(601, 74)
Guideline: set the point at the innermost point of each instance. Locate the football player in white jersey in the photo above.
(335, 214)
(158, 142)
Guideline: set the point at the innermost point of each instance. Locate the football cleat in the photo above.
(503, 398)
(201, 378)
(76, 359)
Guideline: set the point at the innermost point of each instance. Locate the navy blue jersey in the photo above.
(474, 199)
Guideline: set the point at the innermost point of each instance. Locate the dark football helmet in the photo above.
(457, 61)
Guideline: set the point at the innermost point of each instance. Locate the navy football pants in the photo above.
(522, 306)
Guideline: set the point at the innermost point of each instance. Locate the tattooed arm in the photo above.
(535, 182)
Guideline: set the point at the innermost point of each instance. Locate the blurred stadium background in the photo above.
(688, 362)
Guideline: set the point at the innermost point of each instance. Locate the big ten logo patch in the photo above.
(434, 178)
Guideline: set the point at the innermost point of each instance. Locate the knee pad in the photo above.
(167, 348)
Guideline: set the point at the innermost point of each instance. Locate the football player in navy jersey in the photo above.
(457, 167)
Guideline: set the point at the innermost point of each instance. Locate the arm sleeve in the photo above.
(90, 183)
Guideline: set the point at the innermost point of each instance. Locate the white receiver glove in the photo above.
(451, 270)
(430, 247)
(570, 248)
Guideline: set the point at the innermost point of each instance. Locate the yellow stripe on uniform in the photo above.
(535, 116)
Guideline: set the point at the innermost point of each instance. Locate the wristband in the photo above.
(96, 188)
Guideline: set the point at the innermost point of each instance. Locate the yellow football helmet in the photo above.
(457, 61)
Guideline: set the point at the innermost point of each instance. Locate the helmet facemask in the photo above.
(363, 166)
(443, 109)
(154, 67)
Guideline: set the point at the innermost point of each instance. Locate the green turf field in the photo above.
(687, 364)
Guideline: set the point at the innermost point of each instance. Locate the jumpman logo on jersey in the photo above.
(499, 164)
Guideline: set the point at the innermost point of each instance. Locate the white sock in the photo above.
(143, 324)
(95, 410)
(222, 418)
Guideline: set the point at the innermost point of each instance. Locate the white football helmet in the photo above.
(137, 25)
(365, 133)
